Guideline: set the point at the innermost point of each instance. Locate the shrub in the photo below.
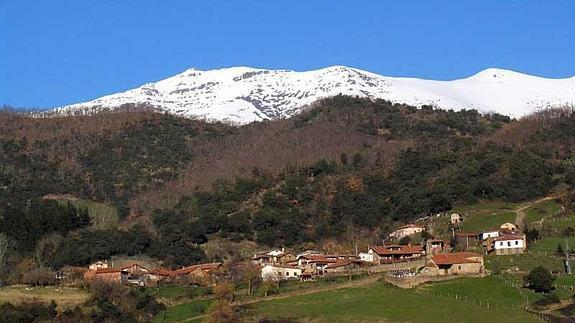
(540, 280)
(39, 277)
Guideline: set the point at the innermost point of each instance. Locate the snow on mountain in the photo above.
(242, 94)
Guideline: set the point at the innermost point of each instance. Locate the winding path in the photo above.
(520, 217)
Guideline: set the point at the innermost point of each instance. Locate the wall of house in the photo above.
(366, 256)
(458, 269)
(487, 235)
(509, 251)
(509, 244)
(110, 277)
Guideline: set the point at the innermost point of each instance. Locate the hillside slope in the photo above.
(242, 94)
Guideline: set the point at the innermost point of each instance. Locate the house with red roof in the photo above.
(457, 263)
(109, 275)
(134, 269)
(388, 254)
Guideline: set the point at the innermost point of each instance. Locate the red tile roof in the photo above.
(161, 272)
(341, 263)
(189, 269)
(403, 250)
(508, 237)
(107, 271)
(456, 258)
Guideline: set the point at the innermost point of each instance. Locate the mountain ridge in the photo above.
(243, 94)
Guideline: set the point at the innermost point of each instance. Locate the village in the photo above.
(405, 263)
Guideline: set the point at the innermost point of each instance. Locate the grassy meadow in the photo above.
(64, 297)
(383, 303)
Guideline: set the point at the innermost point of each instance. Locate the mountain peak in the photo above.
(244, 94)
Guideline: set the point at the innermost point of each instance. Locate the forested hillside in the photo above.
(345, 166)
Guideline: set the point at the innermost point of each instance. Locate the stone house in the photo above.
(280, 272)
(273, 257)
(458, 263)
(109, 275)
(406, 230)
(342, 266)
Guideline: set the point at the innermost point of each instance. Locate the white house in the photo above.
(366, 256)
(273, 257)
(491, 233)
(279, 272)
(406, 230)
(509, 244)
(98, 265)
(510, 227)
(456, 218)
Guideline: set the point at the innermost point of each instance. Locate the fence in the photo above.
(555, 216)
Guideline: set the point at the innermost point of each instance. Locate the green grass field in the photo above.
(561, 222)
(64, 297)
(549, 244)
(540, 210)
(486, 215)
(525, 262)
(382, 303)
(183, 312)
(480, 222)
(486, 290)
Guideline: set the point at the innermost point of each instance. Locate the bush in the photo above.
(39, 277)
(540, 280)
(33, 311)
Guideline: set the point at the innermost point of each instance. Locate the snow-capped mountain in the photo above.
(243, 94)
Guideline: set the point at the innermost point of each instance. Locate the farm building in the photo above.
(508, 227)
(458, 263)
(98, 265)
(273, 257)
(280, 272)
(434, 246)
(109, 275)
(342, 266)
(395, 253)
(508, 244)
(135, 269)
(455, 218)
(406, 230)
(159, 274)
(491, 233)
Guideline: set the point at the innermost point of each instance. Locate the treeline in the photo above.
(108, 157)
(348, 165)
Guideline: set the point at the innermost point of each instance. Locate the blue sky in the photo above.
(56, 52)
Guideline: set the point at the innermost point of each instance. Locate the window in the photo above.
(516, 242)
(501, 244)
(509, 243)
